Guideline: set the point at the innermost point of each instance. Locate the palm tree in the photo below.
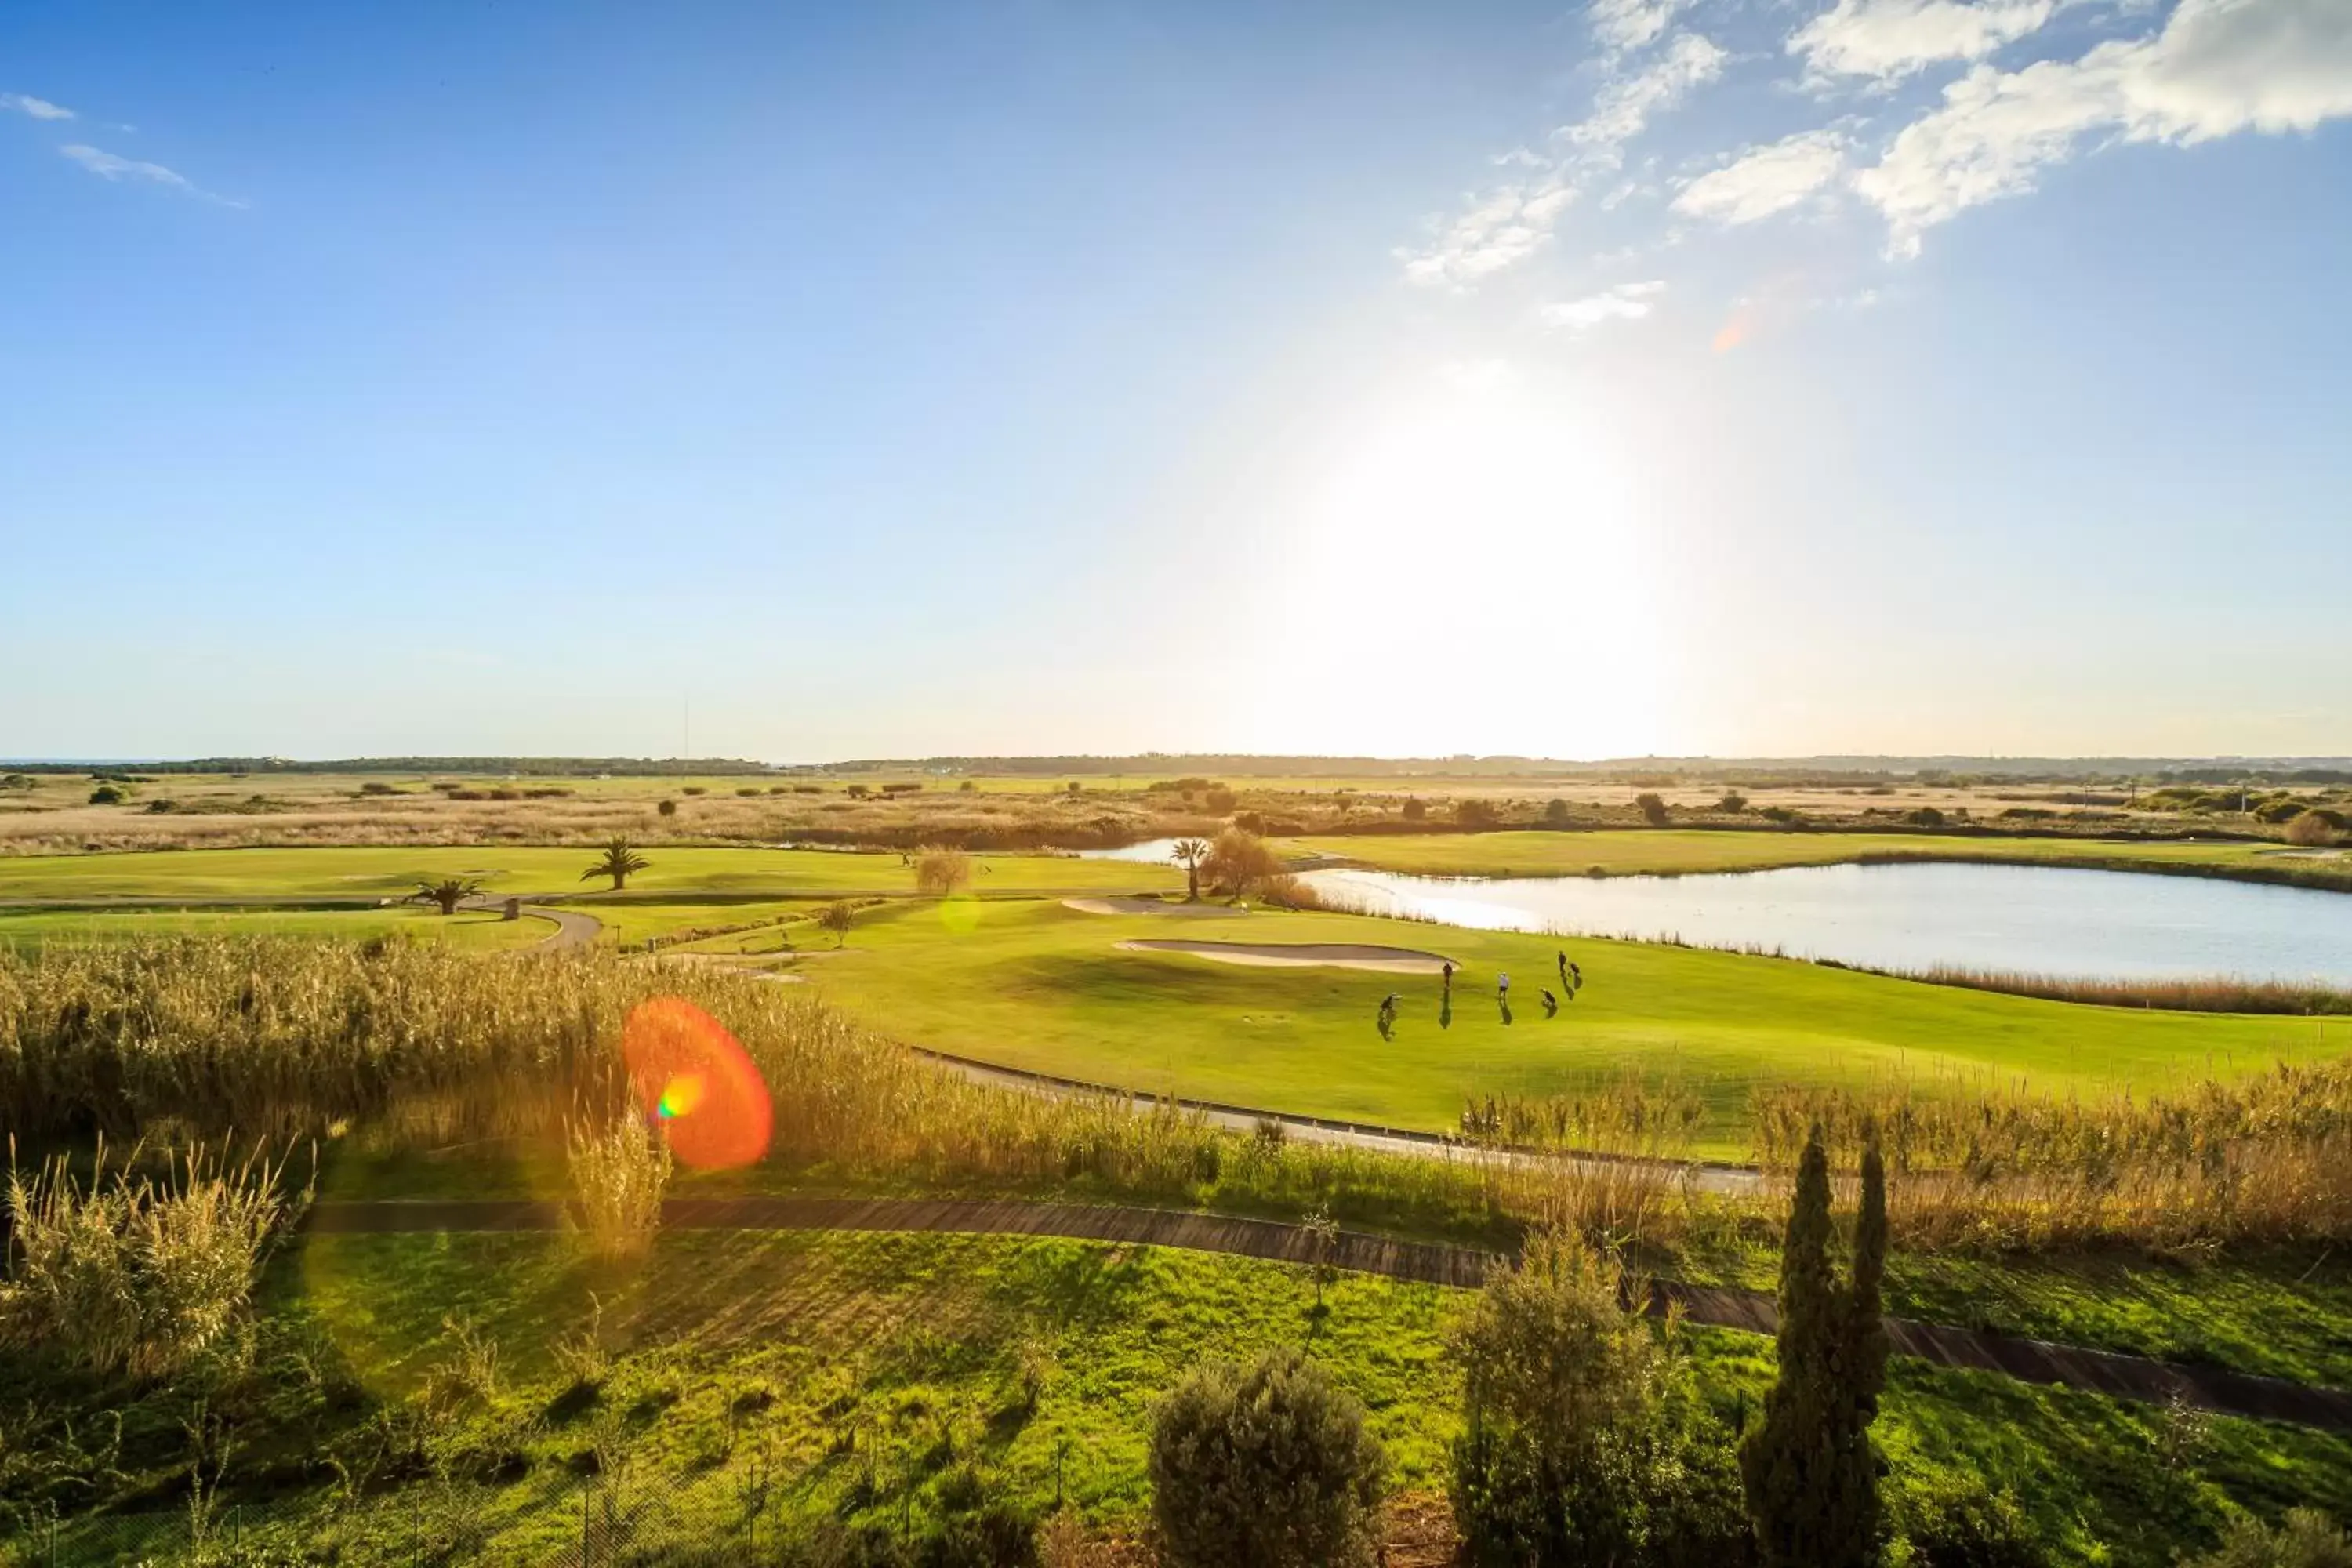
(1188, 853)
(619, 862)
(448, 893)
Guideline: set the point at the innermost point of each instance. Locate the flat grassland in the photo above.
(393, 872)
(471, 928)
(1039, 986)
(1621, 852)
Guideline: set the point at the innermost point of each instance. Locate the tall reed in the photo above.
(2264, 1158)
(127, 1274)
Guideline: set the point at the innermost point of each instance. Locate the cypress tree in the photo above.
(1810, 1470)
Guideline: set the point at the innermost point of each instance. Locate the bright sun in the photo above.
(1481, 579)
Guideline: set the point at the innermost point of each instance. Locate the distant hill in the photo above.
(1174, 764)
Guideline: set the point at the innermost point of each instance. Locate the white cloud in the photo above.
(1765, 180)
(1501, 226)
(1889, 39)
(38, 107)
(1626, 103)
(1625, 302)
(106, 166)
(1504, 227)
(1622, 25)
(2218, 67)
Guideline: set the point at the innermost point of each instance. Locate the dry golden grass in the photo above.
(125, 1273)
(2267, 1158)
(618, 1175)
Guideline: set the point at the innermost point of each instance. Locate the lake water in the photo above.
(2031, 919)
(1152, 849)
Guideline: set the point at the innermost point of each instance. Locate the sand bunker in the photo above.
(1303, 954)
(1148, 907)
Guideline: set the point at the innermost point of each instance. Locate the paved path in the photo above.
(2030, 1361)
(1707, 1176)
(572, 929)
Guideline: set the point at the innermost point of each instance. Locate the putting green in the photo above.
(1034, 985)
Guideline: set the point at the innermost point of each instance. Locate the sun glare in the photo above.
(1481, 532)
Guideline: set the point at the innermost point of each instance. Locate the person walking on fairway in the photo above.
(1561, 958)
(1503, 986)
(1448, 972)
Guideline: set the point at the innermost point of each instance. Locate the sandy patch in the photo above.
(1303, 954)
(1148, 907)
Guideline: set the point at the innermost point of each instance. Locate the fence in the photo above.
(561, 1523)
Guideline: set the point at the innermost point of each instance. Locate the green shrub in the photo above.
(1556, 812)
(668, 808)
(1415, 810)
(2305, 1538)
(1267, 1466)
(1960, 1522)
(1924, 817)
(1583, 1440)
(109, 795)
(1651, 807)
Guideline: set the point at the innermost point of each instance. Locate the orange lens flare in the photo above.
(698, 1082)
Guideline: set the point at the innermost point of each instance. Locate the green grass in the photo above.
(467, 929)
(1036, 985)
(2283, 1312)
(380, 872)
(1681, 851)
(843, 1351)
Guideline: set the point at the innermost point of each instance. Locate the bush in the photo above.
(2305, 1538)
(940, 872)
(1268, 1466)
(1556, 812)
(1779, 814)
(1960, 1522)
(1651, 807)
(2315, 827)
(668, 808)
(1583, 1441)
(1733, 802)
(1218, 800)
(107, 794)
(694, 789)
(1238, 861)
(1924, 817)
(129, 1275)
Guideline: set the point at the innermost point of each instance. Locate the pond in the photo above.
(1155, 850)
(2035, 920)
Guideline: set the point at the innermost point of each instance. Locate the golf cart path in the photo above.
(1300, 955)
(572, 929)
(1705, 1176)
(2030, 1361)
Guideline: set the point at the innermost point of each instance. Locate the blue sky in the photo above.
(1680, 376)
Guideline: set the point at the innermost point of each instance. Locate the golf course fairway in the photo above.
(1037, 985)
